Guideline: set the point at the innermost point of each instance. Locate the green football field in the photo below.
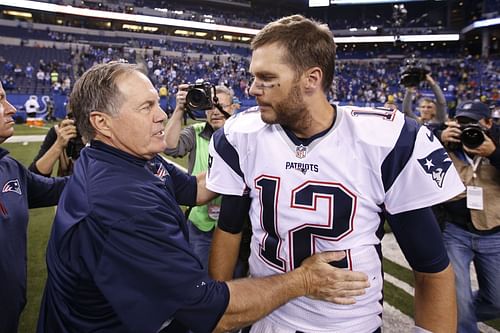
(39, 230)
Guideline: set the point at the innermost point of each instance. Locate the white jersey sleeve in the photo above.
(225, 175)
(428, 178)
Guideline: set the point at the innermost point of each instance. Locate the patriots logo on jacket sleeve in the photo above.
(12, 186)
(436, 164)
(161, 172)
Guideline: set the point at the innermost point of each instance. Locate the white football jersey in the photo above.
(329, 195)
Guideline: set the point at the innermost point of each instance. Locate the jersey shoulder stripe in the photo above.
(400, 154)
(384, 132)
(226, 151)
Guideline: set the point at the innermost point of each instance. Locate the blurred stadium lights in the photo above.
(402, 38)
(367, 2)
(70, 10)
(18, 14)
(481, 24)
(319, 3)
(325, 3)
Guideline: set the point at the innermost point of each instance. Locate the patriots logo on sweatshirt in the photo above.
(436, 164)
(12, 186)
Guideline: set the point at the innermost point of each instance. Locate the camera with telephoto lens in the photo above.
(472, 135)
(199, 96)
(413, 74)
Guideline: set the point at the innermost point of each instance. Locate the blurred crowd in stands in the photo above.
(364, 76)
(358, 82)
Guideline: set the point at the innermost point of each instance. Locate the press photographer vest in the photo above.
(488, 178)
(199, 214)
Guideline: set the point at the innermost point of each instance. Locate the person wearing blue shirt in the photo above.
(118, 257)
(20, 190)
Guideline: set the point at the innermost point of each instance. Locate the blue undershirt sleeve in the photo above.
(419, 237)
(233, 213)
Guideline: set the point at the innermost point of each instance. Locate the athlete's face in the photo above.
(6, 113)
(276, 87)
(214, 117)
(427, 110)
(138, 129)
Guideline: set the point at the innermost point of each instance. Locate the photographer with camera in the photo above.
(472, 219)
(194, 140)
(431, 111)
(62, 143)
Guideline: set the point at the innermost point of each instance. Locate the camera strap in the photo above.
(218, 106)
(474, 163)
(221, 110)
(474, 193)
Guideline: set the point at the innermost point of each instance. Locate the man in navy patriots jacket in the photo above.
(118, 257)
(20, 190)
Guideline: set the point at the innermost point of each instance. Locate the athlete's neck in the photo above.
(318, 120)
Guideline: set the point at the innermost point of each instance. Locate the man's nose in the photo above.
(254, 90)
(8, 108)
(214, 110)
(160, 115)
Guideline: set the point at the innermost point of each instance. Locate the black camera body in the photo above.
(199, 96)
(413, 74)
(74, 147)
(472, 135)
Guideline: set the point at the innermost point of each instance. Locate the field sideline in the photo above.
(398, 285)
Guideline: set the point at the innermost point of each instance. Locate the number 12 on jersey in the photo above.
(337, 224)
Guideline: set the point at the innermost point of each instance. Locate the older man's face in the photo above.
(214, 117)
(139, 127)
(6, 113)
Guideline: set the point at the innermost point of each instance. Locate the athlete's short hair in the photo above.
(308, 43)
(96, 90)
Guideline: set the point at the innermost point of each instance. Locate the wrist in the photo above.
(178, 112)
(59, 146)
(301, 281)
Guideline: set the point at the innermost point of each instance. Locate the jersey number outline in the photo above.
(302, 239)
(384, 113)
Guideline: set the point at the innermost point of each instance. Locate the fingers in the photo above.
(330, 256)
(66, 122)
(487, 148)
(180, 98)
(332, 284)
(451, 133)
(183, 86)
(346, 297)
(341, 287)
(66, 133)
